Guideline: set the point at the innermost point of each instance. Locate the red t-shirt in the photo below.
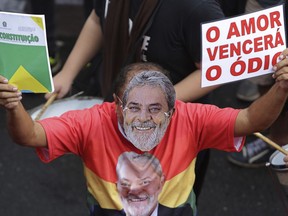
(94, 135)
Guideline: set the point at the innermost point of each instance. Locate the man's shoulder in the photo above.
(105, 108)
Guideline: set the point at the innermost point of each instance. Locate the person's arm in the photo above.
(87, 45)
(22, 129)
(264, 111)
(189, 89)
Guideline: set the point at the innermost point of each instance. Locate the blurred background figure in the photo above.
(48, 9)
(256, 152)
(13, 5)
(250, 89)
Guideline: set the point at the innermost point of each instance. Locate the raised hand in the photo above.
(10, 96)
(281, 70)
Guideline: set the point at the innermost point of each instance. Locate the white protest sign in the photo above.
(242, 47)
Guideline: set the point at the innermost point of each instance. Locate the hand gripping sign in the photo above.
(242, 47)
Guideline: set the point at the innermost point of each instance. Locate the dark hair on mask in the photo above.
(152, 78)
(127, 73)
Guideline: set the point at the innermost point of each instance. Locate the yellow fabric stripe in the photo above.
(177, 190)
(104, 192)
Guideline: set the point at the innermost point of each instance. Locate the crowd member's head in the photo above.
(140, 181)
(145, 101)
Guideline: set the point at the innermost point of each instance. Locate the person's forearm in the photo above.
(264, 111)
(87, 45)
(189, 89)
(23, 130)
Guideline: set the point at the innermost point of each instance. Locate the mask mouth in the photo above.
(146, 135)
(143, 126)
(132, 198)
